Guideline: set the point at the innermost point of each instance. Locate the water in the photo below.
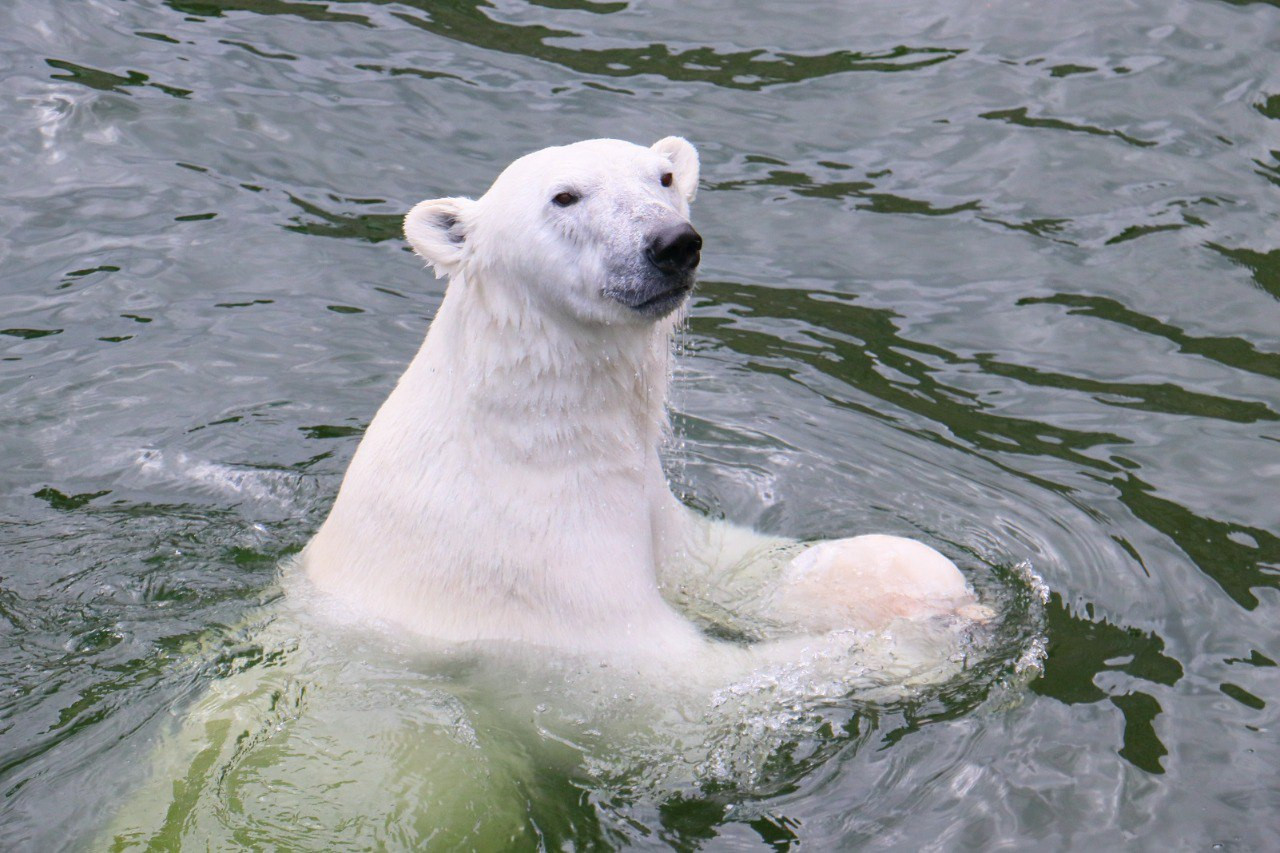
(1000, 276)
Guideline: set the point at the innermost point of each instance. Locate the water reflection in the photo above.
(748, 69)
(108, 82)
(318, 12)
(1082, 646)
(371, 227)
(878, 202)
(1263, 266)
(1237, 353)
(1019, 117)
(1240, 559)
(870, 354)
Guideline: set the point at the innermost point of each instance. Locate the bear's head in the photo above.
(597, 230)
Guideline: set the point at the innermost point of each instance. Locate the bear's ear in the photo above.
(684, 163)
(437, 231)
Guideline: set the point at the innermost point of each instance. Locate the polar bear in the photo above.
(510, 487)
(506, 521)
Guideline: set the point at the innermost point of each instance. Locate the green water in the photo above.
(1001, 276)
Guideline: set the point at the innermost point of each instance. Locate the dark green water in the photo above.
(1002, 275)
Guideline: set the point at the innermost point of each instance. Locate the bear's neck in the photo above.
(510, 486)
(549, 388)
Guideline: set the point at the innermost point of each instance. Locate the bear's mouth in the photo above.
(656, 297)
(651, 293)
(664, 302)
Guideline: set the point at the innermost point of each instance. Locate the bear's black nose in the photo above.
(675, 248)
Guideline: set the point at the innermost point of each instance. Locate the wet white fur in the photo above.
(510, 486)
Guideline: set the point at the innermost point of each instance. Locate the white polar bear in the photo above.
(510, 491)
(510, 487)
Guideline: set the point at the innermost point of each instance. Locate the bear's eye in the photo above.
(565, 199)
(666, 179)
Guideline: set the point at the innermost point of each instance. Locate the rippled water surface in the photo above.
(1003, 276)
